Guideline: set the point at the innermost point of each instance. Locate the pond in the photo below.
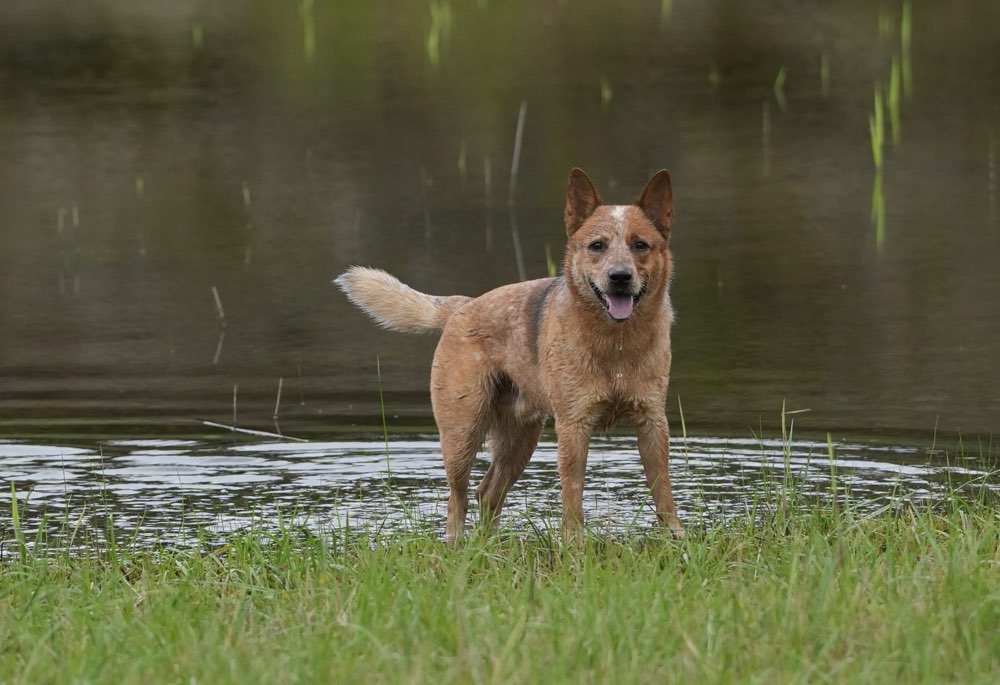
(181, 492)
(179, 183)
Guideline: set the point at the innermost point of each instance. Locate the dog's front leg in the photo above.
(654, 451)
(574, 441)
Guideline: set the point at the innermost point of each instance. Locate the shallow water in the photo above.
(177, 492)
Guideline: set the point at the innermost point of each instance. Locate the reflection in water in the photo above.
(172, 491)
(878, 211)
(888, 99)
(152, 151)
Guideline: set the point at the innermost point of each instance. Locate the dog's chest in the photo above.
(622, 371)
(610, 388)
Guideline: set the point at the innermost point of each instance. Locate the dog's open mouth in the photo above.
(620, 304)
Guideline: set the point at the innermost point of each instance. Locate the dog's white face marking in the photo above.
(618, 214)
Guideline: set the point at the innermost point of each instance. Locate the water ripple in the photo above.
(172, 491)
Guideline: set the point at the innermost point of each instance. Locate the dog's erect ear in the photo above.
(657, 201)
(581, 200)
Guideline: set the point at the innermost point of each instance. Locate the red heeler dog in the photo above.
(590, 347)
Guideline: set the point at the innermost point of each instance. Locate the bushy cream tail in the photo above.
(395, 305)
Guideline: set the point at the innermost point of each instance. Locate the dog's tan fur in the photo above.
(558, 347)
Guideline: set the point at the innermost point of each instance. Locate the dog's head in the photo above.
(617, 254)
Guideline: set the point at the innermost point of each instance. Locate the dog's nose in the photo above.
(620, 277)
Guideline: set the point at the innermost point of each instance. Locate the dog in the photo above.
(590, 348)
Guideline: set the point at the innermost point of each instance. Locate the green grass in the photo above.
(808, 593)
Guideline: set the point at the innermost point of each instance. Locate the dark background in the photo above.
(151, 151)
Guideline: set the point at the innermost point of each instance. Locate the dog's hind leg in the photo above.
(461, 394)
(511, 443)
(458, 447)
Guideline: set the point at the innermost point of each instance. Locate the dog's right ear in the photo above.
(581, 200)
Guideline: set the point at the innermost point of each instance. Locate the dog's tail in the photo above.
(394, 305)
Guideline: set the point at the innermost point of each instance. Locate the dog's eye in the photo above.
(596, 246)
(640, 246)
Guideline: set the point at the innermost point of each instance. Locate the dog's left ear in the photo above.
(657, 201)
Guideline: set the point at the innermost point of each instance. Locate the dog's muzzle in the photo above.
(618, 300)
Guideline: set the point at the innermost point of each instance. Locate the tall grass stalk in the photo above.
(515, 161)
(832, 456)
(15, 517)
(551, 267)
(385, 424)
(684, 430)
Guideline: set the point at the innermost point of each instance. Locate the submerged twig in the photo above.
(222, 328)
(218, 346)
(385, 425)
(277, 402)
(515, 234)
(250, 431)
(218, 306)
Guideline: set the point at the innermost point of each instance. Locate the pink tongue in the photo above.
(619, 306)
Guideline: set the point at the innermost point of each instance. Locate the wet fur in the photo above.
(509, 359)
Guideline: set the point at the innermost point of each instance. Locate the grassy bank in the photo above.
(818, 595)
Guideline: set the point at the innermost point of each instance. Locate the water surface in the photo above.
(180, 181)
(178, 492)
